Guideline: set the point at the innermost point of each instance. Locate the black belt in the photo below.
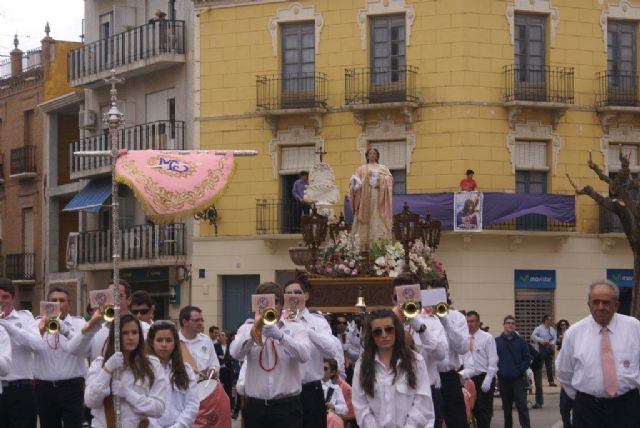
(312, 384)
(274, 401)
(452, 374)
(592, 398)
(16, 383)
(61, 383)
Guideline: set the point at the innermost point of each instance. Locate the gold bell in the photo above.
(360, 304)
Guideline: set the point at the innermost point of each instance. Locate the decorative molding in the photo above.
(295, 135)
(385, 7)
(387, 130)
(515, 242)
(533, 130)
(606, 244)
(535, 6)
(561, 243)
(466, 242)
(623, 134)
(624, 10)
(295, 13)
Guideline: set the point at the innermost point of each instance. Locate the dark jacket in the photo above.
(513, 356)
(536, 358)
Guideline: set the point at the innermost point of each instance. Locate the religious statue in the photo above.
(370, 191)
(322, 190)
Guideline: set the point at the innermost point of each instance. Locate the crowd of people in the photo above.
(387, 368)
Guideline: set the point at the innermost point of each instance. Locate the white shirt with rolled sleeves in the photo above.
(484, 358)
(543, 334)
(324, 346)
(431, 344)
(579, 365)
(180, 406)
(149, 399)
(292, 350)
(394, 404)
(25, 339)
(203, 352)
(52, 361)
(353, 347)
(337, 399)
(339, 357)
(457, 330)
(93, 343)
(5, 354)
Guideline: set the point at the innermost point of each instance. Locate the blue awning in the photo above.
(92, 197)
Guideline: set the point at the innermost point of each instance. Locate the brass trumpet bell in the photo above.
(269, 316)
(52, 326)
(441, 310)
(108, 313)
(410, 309)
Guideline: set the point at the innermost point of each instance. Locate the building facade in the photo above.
(523, 92)
(148, 44)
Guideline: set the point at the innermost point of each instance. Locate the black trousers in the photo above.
(314, 410)
(537, 381)
(483, 408)
(60, 402)
(282, 413)
(226, 378)
(620, 412)
(514, 390)
(455, 413)
(566, 406)
(438, 405)
(546, 353)
(18, 406)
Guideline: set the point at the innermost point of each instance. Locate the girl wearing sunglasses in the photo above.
(391, 386)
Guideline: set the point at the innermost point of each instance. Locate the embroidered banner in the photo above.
(467, 208)
(171, 185)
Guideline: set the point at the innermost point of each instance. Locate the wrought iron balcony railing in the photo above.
(534, 223)
(21, 267)
(274, 216)
(609, 222)
(291, 91)
(145, 242)
(380, 85)
(23, 160)
(617, 89)
(539, 83)
(140, 43)
(159, 135)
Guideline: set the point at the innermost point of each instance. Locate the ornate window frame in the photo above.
(623, 134)
(295, 13)
(533, 6)
(534, 130)
(387, 130)
(294, 135)
(624, 10)
(386, 7)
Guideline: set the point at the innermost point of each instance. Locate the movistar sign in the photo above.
(622, 277)
(534, 278)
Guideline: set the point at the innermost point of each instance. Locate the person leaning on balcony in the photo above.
(468, 184)
(298, 191)
(18, 407)
(599, 363)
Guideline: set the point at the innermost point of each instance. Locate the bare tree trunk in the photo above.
(635, 292)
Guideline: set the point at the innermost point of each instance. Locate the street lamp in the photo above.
(430, 230)
(314, 231)
(406, 228)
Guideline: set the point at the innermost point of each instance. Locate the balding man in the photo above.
(599, 364)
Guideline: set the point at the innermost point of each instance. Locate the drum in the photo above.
(215, 411)
(206, 388)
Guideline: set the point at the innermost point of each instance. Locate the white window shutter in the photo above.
(531, 155)
(123, 17)
(156, 106)
(393, 154)
(297, 158)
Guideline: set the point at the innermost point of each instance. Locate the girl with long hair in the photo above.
(181, 402)
(391, 386)
(130, 374)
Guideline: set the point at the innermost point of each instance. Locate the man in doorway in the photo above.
(199, 345)
(142, 306)
(214, 334)
(544, 337)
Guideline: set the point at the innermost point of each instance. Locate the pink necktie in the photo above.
(610, 380)
(471, 340)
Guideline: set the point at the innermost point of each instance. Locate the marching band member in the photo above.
(59, 374)
(197, 343)
(273, 379)
(390, 381)
(5, 354)
(319, 332)
(141, 383)
(334, 401)
(18, 407)
(181, 403)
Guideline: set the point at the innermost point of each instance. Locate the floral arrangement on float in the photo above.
(388, 259)
(341, 258)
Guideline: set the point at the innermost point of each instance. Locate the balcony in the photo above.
(160, 135)
(139, 246)
(23, 162)
(274, 217)
(538, 87)
(617, 94)
(534, 223)
(291, 94)
(21, 267)
(140, 50)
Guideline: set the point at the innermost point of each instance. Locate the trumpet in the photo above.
(108, 313)
(410, 309)
(441, 310)
(269, 316)
(52, 326)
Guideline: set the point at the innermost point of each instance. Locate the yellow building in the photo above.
(519, 91)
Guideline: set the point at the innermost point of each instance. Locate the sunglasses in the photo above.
(388, 329)
(296, 292)
(341, 322)
(326, 368)
(139, 311)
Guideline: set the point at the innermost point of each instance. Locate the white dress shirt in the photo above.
(5, 354)
(339, 356)
(455, 325)
(241, 378)
(319, 333)
(484, 358)
(394, 405)
(431, 344)
(579, 365)
(353, 347)
(25, 339)
(337, 399)
(292, 350)
(203, 352)
(147, 401)
(180, 406)
(542, 335)
(52, 361)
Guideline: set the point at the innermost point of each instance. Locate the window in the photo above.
(529, 46)
(28, 127)
(296, 159)
(630, 150)
(298, 64)
(393, 154)
(621, 62)
(531, 177)
(531, 306)
(388, 48)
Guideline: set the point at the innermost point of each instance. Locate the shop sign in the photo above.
(621, 277)
(147, 275)
(540, 279)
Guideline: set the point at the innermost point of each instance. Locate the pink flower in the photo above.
(352, 264)
(347, 270)
(329, 269)
(354, 272)
(341, 267)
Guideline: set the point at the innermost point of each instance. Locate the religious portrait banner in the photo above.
(467, 211)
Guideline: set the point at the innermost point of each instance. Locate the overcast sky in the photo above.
(28, 18)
